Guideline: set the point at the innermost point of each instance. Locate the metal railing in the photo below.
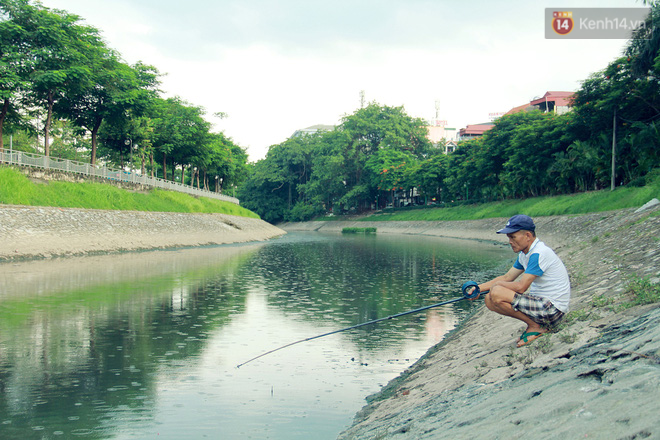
(70, 166)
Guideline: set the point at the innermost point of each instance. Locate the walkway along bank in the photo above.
(31, 163)
(598, 377)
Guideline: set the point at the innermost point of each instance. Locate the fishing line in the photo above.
(472, 295)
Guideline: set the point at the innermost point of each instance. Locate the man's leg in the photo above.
(499, 300)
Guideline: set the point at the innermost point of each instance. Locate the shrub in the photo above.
(358, 231)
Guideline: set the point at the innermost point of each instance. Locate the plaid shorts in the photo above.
(542, 311)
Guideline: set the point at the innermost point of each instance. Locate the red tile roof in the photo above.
(559, 98)
(476, 129)
(518, 109)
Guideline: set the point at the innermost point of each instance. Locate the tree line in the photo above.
(611, 137)
(61, 83)
(58, 79)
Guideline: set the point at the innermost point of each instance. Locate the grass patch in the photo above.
(358, 231)
(17, 189)
(567, 337)
(577, 315)
(599, 301)
(573, 204)
(641, 291)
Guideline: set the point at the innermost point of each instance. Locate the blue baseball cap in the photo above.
(517, 223)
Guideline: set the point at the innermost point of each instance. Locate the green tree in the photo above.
(60, 49)
(532, 152)
(387, 169)
(429, 176)
(291, 165)
(615, 105)
(180, 133)
(575, 169)
(262, 195)
(342, 169)
(228, 163)
(115, 92)
(328, 178)
(463, 171)
(14, 67)
(369, 130)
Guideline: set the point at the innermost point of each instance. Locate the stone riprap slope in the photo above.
(28, 232)
(598, 377)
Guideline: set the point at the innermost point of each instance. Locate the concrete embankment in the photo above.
(597, 377)
(28, 232)
(555, 229)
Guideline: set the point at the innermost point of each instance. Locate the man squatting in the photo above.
(540, 297)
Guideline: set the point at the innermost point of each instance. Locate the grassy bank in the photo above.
(583, 203)
(17, 189)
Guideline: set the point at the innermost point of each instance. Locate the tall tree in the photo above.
(180, 132)
(429, 176)
(328, 177)
(115, 92)
(60, 48)
(387, 169)
(611, 108)
(228, 163)
(263, 196)
(14, 65)
(369, 130)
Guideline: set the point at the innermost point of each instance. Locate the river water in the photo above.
(146, 345)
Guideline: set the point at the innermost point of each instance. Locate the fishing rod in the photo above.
(474, 294)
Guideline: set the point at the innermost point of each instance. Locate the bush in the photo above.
(302, 212)
(358, 231)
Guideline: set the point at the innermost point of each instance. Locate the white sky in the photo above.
(278, 66)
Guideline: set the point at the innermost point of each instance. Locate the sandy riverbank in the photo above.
(599, 377)
(28, 232)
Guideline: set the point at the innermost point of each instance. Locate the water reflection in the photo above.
(145, 345)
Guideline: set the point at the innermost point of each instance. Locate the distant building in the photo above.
(556, 102)
(313, 129)
(474, 130)
(450, 147)
(518, 109)
(442, 136)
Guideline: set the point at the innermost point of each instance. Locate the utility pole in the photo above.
(613, 179)
(362, 98)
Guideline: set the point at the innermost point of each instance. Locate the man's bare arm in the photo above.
(517, 285)
(507, 278)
